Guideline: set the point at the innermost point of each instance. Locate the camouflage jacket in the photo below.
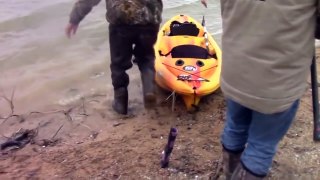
(127, 12)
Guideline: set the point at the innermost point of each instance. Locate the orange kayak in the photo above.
(188, 60)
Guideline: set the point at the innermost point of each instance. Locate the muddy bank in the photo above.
(93, 142)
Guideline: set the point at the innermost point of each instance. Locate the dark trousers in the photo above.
(126, 42)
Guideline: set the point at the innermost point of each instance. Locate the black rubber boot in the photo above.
(240, 173)
(230, 162)
(120, 102)
(148, 88)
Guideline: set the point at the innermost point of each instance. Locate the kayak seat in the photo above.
(186, 29)
(189, 51)
(185, 47)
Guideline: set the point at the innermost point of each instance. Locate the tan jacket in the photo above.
(267, 48)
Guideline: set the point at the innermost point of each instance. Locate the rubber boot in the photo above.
(230, 162)
(240, 173)
(148, 88)
(120, 102)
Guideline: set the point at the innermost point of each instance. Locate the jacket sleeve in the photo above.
(80, 9)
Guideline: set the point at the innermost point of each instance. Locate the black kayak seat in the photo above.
(186, 28)
(189, 51)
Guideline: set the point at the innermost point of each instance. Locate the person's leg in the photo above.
(121, 41)
(145, 58)
(266, 131)
(234, 136)
(235, 132)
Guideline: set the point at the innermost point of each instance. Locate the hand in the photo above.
(204, 2)
(71, 29)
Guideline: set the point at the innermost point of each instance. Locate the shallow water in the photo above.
(42, 66)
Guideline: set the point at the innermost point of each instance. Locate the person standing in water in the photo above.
(133, 28)
(267, 50)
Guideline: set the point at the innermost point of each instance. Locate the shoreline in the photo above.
(94, 142)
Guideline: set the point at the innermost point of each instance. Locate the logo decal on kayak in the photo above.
(183, 77)
(189, 68)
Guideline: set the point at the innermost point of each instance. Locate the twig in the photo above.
(10, 102)
(67, 114)
(83, 107)
(81, 124)
(94, 100)
(49, 112)
(97, 95)
(12, 115)
(119, 177)
(57, 131)
(4, 136)
(172, 94)
(219, 170)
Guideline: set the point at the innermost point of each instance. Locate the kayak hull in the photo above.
(188, 60)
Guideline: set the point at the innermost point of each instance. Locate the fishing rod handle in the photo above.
(169, 147)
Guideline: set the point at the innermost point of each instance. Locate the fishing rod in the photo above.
(165, 156)
(315, 100)
(174, 131)
(205, 33)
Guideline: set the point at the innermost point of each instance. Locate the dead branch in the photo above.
(45, 142)
(83, 107)
(94, 101)
(66, 113)
(4, 136)
(11, 116)
(49, 112)
(98, 95)
(10, 102)
(81, 124)
(219, 170)
(57, 131)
